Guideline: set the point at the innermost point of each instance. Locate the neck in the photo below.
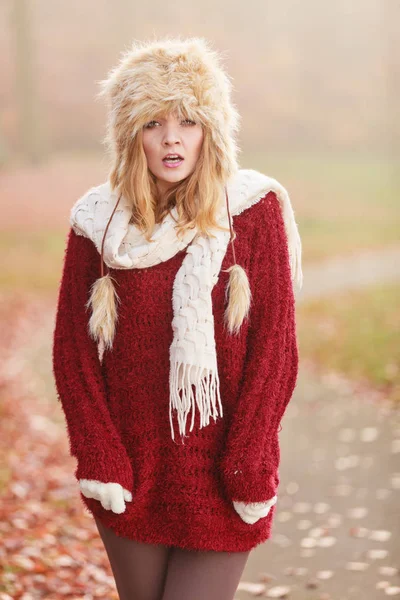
(163, 187)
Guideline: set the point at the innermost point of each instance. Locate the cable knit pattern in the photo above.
(126, 247)
(117, 409)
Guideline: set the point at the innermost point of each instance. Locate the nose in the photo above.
(170, 134)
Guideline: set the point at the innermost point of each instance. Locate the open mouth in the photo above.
(173, 161)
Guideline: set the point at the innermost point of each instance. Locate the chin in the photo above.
(173, 177)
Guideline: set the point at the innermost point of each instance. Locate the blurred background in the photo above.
(317, 84)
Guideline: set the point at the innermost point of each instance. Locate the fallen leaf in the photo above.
(255, 589)
(369, 434)
(278, 592)
(386, 570)
(358, 512)
(392, 591)
(324, 574)
(377, 553)
(380, 535)
(308, 542)
(356, 566)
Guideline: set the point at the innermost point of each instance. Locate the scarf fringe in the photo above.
(206, 382)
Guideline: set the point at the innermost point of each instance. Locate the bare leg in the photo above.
(196, 575)
(139, 569)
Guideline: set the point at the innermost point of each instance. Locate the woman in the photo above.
(162, 317)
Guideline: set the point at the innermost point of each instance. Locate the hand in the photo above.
(252, 512)
(111, 495)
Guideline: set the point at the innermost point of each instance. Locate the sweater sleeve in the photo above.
(80, 384)
(251, 455)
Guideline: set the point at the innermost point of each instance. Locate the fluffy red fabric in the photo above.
(117, 411)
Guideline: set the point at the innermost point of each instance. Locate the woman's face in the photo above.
(171, 135)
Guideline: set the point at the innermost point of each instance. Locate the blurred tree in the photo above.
(391, 32)
(30, 129)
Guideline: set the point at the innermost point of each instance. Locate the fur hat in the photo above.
(168, 75)
(157, 77)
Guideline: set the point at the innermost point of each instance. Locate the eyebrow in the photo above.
(164, 118)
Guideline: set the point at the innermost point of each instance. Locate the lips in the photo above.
(173, 155)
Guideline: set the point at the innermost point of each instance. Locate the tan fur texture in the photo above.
(166, 75)
(238, 294)
(103, 301)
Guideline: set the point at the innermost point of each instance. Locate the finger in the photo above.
(105, 498)
(260, 511)
(246, 517)
(250, 520)
(263, 513)
(117, 498)
(127, 495)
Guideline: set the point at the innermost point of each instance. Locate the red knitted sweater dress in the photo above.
(117, 409)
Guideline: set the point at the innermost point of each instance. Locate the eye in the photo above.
(149, 125)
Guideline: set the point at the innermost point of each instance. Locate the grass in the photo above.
(357, 334)
(342, 203)
(33, 260)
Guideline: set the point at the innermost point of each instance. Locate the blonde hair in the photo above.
(197, 198)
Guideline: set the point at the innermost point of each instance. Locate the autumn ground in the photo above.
(335, 533)
(49, 547)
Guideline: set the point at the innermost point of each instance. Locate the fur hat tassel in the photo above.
(238, 294)
(103, 301)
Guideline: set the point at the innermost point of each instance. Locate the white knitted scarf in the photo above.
(193, 359)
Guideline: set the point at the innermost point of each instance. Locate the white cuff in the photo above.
(253, 511)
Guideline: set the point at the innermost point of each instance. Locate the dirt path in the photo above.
(336, 534)
(357, 271)
(336, 530)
